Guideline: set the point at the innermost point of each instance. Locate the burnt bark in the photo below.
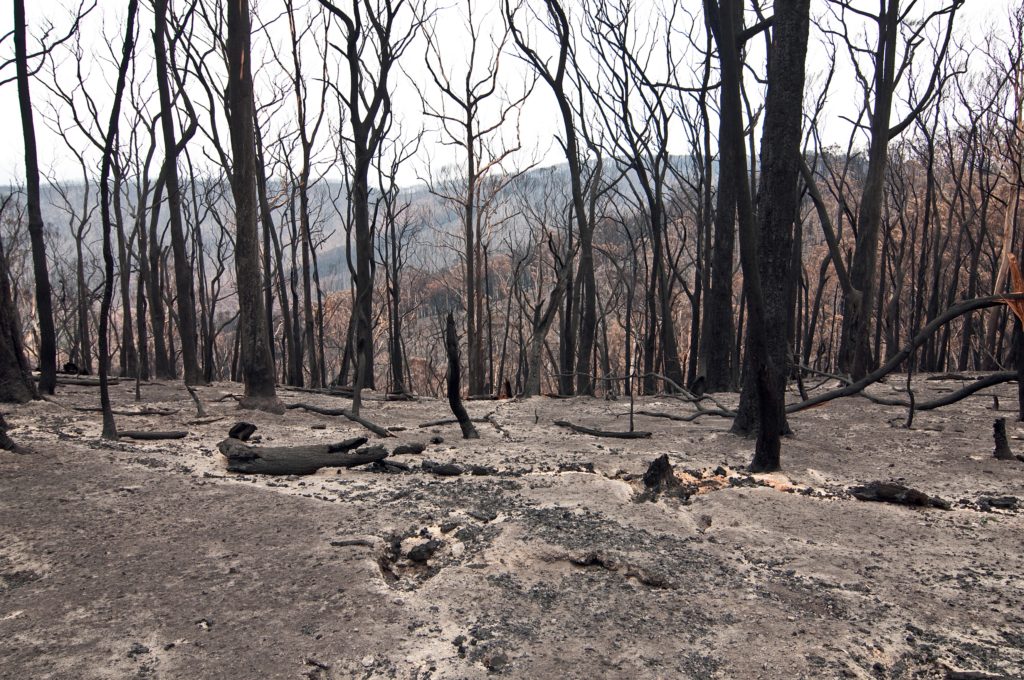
(44, 303)
(16, 383)
(257, 362)
(777, 211)
(1002, 446)
(297, 460)
(182, 266)
(451, 347)
(109, 428)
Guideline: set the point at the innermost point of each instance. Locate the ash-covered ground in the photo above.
(543, 559)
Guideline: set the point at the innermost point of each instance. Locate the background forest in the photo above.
(611, 197)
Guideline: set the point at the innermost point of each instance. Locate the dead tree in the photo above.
(374, 40)
(887, 68)
(44, 304)
(296, 460)
(451, 348)
(109, 428)
(257, 362)
(777, 209)
(172, 148)
(465, 98)
(16, 383)
(555, 73)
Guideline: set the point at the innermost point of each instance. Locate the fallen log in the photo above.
(449, 421)
(891, 492)
(345, 413)
(297, 460)
(141, 412)
(154, 435)
(340, 392)
(602, 433)
(85, 382)
(687, 418)
(410, 448)
(442, 469)
(241, 430)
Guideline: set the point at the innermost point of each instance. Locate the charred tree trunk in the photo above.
(16, 383)
(719, 331)
(109, 428)
(451, 348)
(257, 363)
(182, 267)
(44, 304)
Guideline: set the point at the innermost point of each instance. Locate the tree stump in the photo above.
(660, 479)
(1002, 451)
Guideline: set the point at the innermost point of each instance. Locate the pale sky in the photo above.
(539, 122)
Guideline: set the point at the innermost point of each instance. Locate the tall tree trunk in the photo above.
(163, 362)
(182, 266)
(718, 336)
(766, 257)
(129, 354)
(44, 304)
(109, 149)
(257, 362)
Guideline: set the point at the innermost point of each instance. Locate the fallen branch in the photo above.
(153, 436)
(602, 433)
(497, 426)
(448, 421)
(344, 413)
(687, 418)
(915, 342)
(952, 397)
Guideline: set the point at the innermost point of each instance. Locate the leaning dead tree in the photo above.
(451, 348)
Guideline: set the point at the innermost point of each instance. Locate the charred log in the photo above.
(297, 460)
(602, 433)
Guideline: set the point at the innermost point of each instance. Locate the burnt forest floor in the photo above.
(136, 559)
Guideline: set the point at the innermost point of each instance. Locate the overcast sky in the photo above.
(539, 122)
